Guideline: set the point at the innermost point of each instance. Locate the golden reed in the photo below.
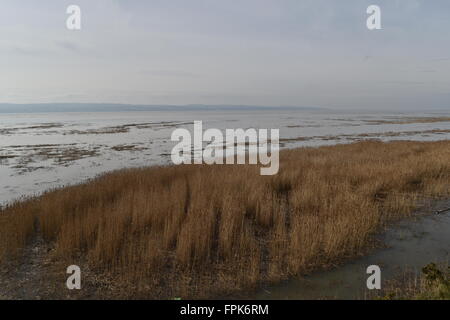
(199, 231)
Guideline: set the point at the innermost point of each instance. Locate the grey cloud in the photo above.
(170, 73)
(70, 46)
(281, 52)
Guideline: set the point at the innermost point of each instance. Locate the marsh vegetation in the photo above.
(199, 231)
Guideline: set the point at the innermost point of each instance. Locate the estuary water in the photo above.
(40, 151)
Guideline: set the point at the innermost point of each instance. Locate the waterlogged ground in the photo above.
(410, 245)
(43, 151)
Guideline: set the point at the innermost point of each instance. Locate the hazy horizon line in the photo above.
(8, 107)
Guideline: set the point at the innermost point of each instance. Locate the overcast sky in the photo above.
(258, 52)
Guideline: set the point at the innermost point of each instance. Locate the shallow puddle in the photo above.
(411, 244)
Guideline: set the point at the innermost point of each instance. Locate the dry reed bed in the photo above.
(200, 231)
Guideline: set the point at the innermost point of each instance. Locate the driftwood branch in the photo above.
(442, 211)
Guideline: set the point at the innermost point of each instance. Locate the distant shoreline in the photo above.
(56, 107)
(112, 107)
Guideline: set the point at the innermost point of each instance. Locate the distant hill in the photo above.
(110, 107)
